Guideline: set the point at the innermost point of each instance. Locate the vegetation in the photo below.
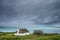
(11, 36)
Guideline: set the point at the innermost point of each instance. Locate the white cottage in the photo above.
(22, 32)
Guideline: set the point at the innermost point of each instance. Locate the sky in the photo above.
(29, 13)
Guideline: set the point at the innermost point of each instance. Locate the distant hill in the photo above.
(1, 26)
(6, 27)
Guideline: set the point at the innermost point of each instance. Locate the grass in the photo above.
(10, 36)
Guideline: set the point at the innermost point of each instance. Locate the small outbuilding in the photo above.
(38, 32)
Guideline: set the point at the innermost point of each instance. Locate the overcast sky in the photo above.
(29, 12)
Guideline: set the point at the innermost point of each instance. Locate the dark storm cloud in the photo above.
(50, 14)
(13, 12)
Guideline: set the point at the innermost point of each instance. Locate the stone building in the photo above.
(38, 32)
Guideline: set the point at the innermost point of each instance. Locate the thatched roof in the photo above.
(23, 30)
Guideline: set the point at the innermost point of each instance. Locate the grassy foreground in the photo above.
(10, 36)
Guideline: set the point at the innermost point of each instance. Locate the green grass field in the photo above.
(10, 36)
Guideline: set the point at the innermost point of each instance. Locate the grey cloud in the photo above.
(50, 14)
(30, 11)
